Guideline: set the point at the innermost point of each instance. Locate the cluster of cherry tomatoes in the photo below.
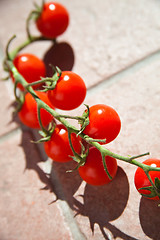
(69, 93)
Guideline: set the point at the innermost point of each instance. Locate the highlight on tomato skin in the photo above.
(30, 67)
(69, 92)
(93, 170)
(58, 147)
(53, 20)
(141, 180)
(104, 123)
(28, 113)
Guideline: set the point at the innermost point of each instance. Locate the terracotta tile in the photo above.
(114, 46)
(8, 122)
(26, 194)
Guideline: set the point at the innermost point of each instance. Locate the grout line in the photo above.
(130, 69)
(70, 221)
(63, 205)
(66, 211)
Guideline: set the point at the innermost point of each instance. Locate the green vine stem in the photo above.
(33, 16)
(71, 128)
(39, 107)
(28, 42)
(62, 118)
(105, 166)
(76, 157)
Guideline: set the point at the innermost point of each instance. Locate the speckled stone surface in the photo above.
(114, 46)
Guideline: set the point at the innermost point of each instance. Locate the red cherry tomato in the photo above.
(53, 20)
(69, 92)
(104, 123)
(141, 180)
(93, 171)
(58, 148)
(30, 67)
(28, 113)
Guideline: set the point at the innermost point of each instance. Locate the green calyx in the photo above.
(50, 82)
(85, 119)
(46, 134)
(79, 158)
(154, 190)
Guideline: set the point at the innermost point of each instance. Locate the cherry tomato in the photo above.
(53, 20)
(93, 171)
(58, 148)
(28, 113)
(141, 180)
(30, 67)
(104, 123)
(69, 92)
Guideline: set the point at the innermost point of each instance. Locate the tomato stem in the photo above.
(76, 157)
(39, 107)
(70, 117)
(105, 166)
(62, 118)
(90, 140)
(138, 156)
(28, 41)
(33, 14)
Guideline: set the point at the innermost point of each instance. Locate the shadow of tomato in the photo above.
(70, 181)
(106, 203)
(149, 215)
(60, 55)
(28, 147)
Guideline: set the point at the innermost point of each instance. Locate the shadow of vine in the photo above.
(101, 205)
(60, 54)
(104, 204)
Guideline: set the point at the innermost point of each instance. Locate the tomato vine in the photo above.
(86, 121)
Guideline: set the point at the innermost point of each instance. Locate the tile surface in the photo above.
(114, 46)
(25, 205)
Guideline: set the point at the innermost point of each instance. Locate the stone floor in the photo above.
(115, 47)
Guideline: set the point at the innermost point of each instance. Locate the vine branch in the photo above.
(63, 118)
